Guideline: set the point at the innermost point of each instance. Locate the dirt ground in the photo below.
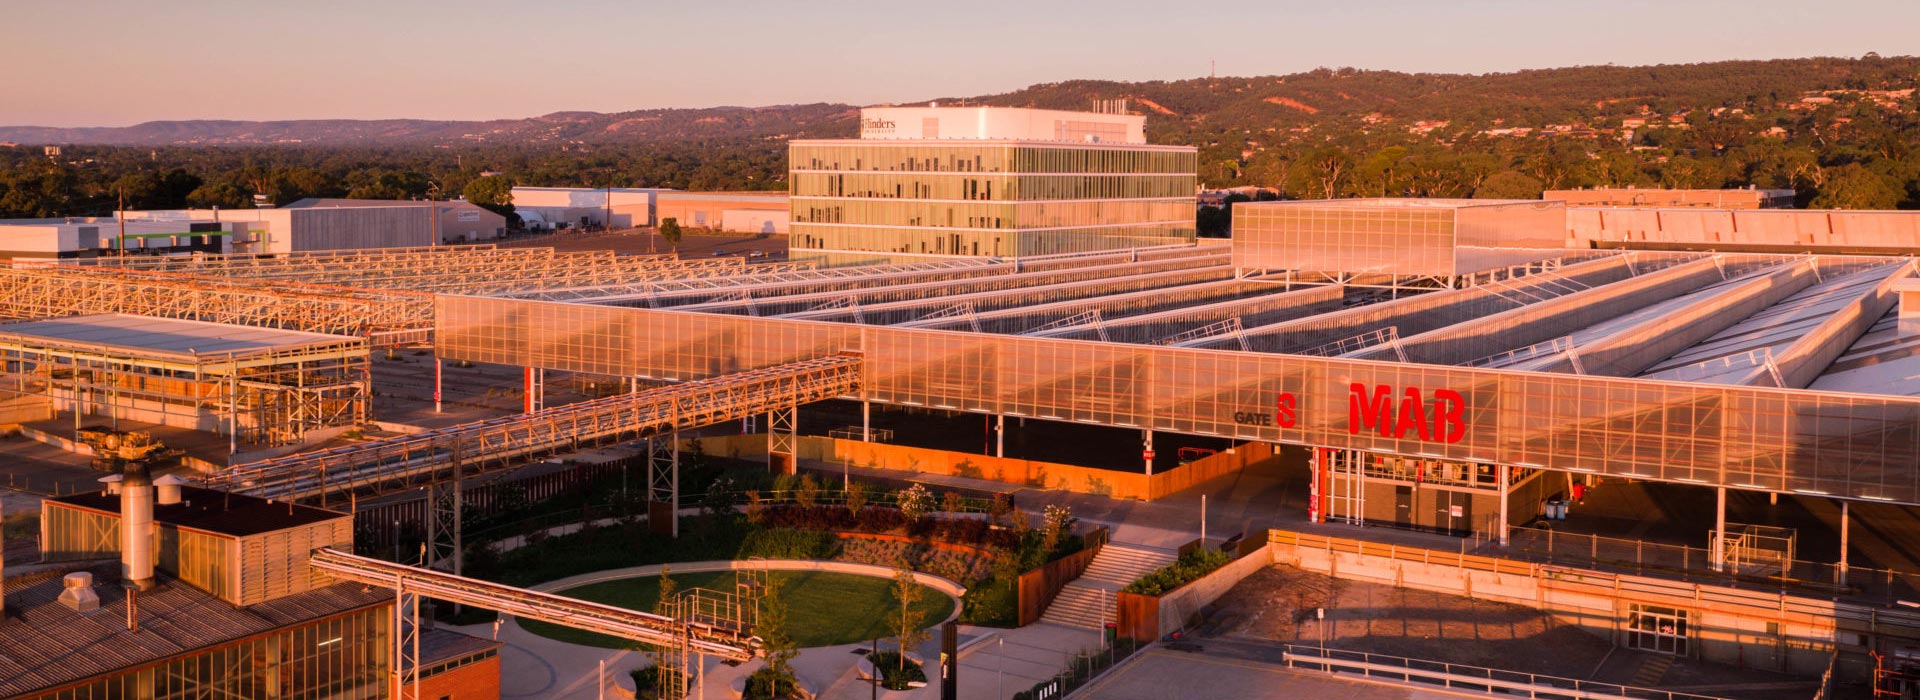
(1278, 605)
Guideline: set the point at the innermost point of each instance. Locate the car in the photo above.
(757, 254)
(719, 253)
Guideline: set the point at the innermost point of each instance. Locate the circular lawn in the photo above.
(824, 608)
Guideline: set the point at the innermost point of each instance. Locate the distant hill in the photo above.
(1182, 111)
(658, 125)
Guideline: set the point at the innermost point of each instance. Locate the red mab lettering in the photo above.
(1377, 410)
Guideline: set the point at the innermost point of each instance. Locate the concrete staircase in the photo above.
(1087, 602)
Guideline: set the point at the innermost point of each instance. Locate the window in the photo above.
(1658, 629)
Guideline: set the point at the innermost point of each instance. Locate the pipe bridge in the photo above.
(701, 636)
(413, 460)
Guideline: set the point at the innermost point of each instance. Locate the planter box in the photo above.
(1144, 618)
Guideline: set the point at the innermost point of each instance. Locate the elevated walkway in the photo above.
(647, 628)
(501, 443)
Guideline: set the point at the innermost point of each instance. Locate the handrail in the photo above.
(499, 442)
(1475, 678)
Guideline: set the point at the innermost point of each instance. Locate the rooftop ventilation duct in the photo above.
(77, 592)
(136, 527)
(1909, 313)
(166, 490)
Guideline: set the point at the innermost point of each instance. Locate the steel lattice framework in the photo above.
(386, 317)
(450, 269)
(408, 461)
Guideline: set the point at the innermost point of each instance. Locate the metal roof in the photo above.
(45, 644)
(220, 512)
(166, 337)
(1699, 317)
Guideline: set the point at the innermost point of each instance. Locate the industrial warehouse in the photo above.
(1450, 369)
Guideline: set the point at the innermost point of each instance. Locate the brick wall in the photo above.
(476, 681)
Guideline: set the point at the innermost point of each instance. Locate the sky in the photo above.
(121, 62)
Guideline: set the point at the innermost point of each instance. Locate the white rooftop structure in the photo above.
(1000, 123)
(163, 336)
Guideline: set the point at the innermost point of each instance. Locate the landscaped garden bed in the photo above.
(827, 607)
(982, 544)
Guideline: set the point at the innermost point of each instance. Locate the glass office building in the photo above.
(997, 197)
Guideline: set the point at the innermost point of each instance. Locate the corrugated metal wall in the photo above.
(353, 228)
(274, 564)
(71, 534)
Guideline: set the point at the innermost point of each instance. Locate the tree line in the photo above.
(1813, 125)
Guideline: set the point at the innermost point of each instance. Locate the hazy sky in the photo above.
(118, 62)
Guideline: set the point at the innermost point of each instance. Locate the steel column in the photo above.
(1718, 548)
(406, 647)
(1845, 523)
(445, 501)
(1505, 475)
(783, 440)
(999, 435)
(1146, 449)
(663, 484)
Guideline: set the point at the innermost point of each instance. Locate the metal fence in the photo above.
(1470, 678)
(1696, 564)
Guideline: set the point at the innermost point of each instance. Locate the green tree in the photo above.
(220, 194)
(1324, 172)
(1855, 187)
(670, 232)
(494, 192)
(777, 640)
(665, 662)
(906, 625)
(1508, 184)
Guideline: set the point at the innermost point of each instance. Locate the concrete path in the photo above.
(1157, 673)
(532, 666)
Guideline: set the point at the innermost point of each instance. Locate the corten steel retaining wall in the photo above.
(1038, 588)
(1025, 472)
(1749, 628)
(1145, 618)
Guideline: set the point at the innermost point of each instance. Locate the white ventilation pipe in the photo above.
(136, 528)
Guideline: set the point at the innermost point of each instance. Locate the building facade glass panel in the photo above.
(1858, 446)
(339, 658)
(988, 198)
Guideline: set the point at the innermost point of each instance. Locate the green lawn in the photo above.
(824, 608)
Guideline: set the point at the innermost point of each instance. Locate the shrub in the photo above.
(765, 684)
(808, 493)
(1053, 525)
(992, 604)
(856, 498)
(896, 671)
(915, 502)
(784, 543)
(646, 682)
(1190, 566)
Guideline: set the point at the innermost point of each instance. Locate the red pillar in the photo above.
(529, 390)
(1318, 485)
